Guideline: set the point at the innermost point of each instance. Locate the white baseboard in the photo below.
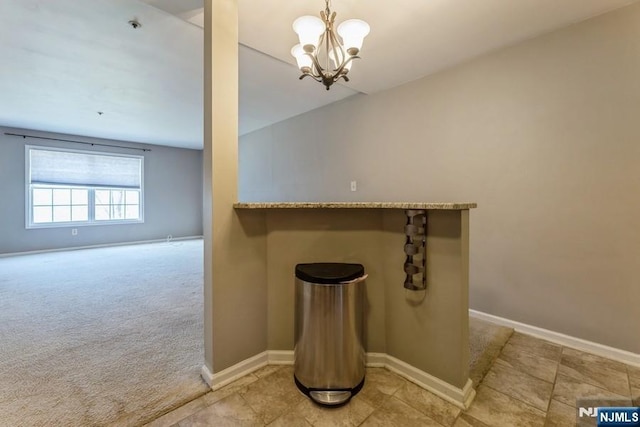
(229, 375)
(459, 397)
(376, 360)
(285, 357)
(207, 376)
(562, 339)
(280, 357)
(103, 245)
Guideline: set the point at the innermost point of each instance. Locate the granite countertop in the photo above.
(355, 205)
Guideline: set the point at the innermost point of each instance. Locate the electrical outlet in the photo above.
(74, 231)
(354, 185)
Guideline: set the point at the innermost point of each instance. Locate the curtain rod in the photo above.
(77, 142)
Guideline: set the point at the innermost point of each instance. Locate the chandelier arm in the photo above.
(317, 69)
(329, 34)
(339, 52)
(341, 77)
(328, 45)
(340, 69)
(318, 79)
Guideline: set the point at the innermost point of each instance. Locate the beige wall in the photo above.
(333, 235)
(430, 330)
(543, 135)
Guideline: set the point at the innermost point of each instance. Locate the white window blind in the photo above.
(87, 169)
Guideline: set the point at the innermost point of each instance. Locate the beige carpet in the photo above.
(109, 336)
(486, 341)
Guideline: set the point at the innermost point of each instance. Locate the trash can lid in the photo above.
(329, 272)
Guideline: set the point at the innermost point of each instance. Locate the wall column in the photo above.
(235, 244)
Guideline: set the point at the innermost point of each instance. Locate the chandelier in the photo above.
(320, 54)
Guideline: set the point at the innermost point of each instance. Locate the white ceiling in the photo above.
(63, 61)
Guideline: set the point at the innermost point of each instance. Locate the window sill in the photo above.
(82, 224)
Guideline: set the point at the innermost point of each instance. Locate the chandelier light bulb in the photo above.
(309, 28)
(353, 32)
(303, 60)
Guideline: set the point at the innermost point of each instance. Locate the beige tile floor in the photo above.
(532, 383)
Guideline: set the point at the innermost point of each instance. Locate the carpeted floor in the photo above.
(108, 336)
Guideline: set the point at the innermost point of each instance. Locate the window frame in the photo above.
(91, 221)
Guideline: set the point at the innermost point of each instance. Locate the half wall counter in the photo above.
(417, 291)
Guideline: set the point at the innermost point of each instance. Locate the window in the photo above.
(72, 187)
(59, 204)
(117, 204)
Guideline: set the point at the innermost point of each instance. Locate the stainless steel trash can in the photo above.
(329, 355)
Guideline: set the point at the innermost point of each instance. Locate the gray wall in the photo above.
(172, 197)
(544, 136)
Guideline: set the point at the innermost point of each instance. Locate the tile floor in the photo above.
(532, 383)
